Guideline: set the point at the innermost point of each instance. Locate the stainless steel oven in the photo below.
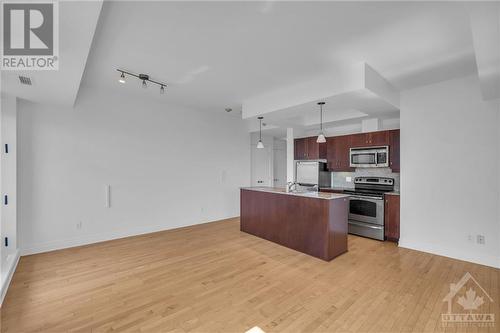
(370, 157)
(366, 206)
(366, 216)
(368, 209)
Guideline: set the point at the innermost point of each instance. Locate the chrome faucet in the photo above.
(291, 186)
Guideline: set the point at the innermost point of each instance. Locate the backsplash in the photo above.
(339, 178)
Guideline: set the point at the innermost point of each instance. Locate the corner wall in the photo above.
(450, 171)
(9, 252)
(167, 167)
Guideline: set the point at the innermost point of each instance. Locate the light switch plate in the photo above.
(348, 179)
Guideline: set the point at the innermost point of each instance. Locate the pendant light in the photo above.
(321, 137)
(260, 145)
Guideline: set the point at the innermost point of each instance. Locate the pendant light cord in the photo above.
(321, 117)
(260, 129)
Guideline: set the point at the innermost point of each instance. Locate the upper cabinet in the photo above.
(380, 138)
(300, 149)
(309, 149)
(394, 150)
(338, 149)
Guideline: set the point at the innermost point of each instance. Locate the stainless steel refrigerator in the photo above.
(312, 173)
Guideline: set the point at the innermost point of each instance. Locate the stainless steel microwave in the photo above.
(369, 157)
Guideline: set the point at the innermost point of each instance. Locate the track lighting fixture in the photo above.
(260, 144)
(122, 78)
(144, 77)
(321, 137)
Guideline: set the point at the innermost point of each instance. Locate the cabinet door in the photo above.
(300, 149)
(312, 148)
(394, 150)
(338, 153)
(322, 149)
(330, 153)
(391, 218)
(342, 145)
(378, 138)
(358, 140)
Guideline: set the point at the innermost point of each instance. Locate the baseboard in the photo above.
(102, 237)
(12, 262)
(491, 261)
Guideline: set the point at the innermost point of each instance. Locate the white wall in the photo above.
(262, 160)
(167, 167)
(9, 255)
(450, 159)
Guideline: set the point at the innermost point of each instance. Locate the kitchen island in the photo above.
(314, 223)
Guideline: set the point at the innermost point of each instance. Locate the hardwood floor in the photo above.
(213, 278)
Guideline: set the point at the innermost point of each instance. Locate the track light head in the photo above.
(122, 78)
(162, 89)
(144, 84)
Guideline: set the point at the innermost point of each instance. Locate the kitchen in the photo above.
(361, 169)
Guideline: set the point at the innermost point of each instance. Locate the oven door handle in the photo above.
(366, 197)
(364, 225)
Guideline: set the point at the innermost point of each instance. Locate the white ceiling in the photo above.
(77, 23)
(215, 55)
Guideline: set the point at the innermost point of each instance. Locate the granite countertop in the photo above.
(336, 188)
(393, 193)
(316, 195)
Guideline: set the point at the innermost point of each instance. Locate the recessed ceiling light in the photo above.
(228, 109)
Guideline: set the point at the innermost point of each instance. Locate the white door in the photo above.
(279, 168)
(261, 166)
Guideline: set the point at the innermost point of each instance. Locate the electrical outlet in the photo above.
(480, 239)
(469, 238)
(79, 225)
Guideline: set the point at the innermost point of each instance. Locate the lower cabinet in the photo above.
(391, 218)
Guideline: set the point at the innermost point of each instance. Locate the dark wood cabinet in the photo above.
(338, 153)
(300, 149)
(379, 138)
(358, 140)
(309, 149)
(336, 149)
(314, 226)
(391, 218)
(394, 150)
